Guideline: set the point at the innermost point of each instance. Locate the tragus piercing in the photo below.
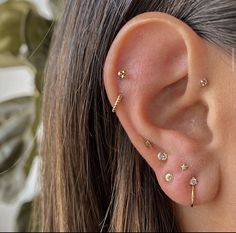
(193, 183)
(162, 156)
(122, 74)
(118, 100)
(204, 82)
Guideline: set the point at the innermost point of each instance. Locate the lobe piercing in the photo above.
(148, 144)
(122, 74)
(169, 177)
(193, 183)
(118, 100)
(162, 156)
(184, 167)
(204, 82)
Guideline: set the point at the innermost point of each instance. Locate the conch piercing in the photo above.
(184, 167)
(169, 177)
(122, 74)
(162, 156)
(204, 82)
(118, 100)
(193, 183)
(147, 143)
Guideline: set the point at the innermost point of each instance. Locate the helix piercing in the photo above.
(204, 82)
(169, 177)
(184, 167)
(162, 156)
(118, 100)
(122, 74)
(193, 183)
(147, 143)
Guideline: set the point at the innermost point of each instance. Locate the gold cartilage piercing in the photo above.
(162, 156)
(147, 143)
(118, 100)
(204, 82)
(122, 74)
(184, 167)
(193, 183)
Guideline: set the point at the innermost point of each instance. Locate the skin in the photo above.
(165, 103)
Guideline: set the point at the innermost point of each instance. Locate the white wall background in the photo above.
(16, 82)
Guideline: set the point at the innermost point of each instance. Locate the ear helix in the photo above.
(163, 156)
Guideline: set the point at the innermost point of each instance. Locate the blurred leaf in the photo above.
(16, 117)
(24, 217)
(38, 33)
(12, 20)
(55, 6)
(11, 184)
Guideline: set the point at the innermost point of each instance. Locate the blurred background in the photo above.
(25, 36)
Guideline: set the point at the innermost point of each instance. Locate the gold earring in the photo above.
(118, 100)
(193, 183)
(147, 143)
(122, 74)
(169, 177)
(204, 82)
(184, 167)
(162, 156)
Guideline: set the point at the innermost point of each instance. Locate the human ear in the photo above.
(162, 99)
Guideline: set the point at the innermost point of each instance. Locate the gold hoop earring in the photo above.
(118, 100)
(193, 183)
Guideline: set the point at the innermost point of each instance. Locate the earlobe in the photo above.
(154, 77)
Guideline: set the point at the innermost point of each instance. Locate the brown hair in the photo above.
(93, 178)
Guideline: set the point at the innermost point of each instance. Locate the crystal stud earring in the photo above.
(162, 156)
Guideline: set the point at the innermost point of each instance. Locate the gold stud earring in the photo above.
(204, 82)
(184, 167)
(147, 144)
(118, 100)
(193, 183)
(169, 177)
(162, 156)
(122, 74)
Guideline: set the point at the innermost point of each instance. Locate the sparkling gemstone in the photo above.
(162, 156)
(169, 177)
(193, 181)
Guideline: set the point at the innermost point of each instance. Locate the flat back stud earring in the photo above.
(118, 100)
(147, 144)
(169, 177)
(162, 156)
(184, 167)
(122, 74)
(193, 183)
(204, 82)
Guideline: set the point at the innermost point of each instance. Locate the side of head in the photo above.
(98, 173)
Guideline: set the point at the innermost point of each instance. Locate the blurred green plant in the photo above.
(25, 38)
